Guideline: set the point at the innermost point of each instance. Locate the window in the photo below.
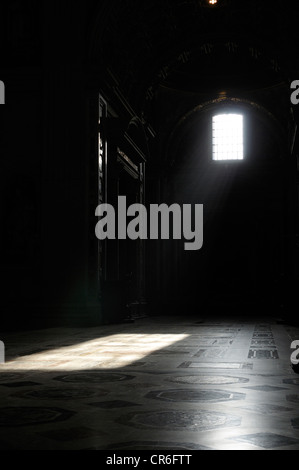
(228, 137)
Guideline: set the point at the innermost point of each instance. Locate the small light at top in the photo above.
(213, 2)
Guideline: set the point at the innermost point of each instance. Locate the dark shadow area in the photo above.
(111, 98)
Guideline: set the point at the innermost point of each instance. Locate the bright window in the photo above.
(228, 142)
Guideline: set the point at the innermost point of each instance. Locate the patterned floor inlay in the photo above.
(178, 420)
(265, 388)
(268, 440)
(263, 344)
(293, 398)
(208, 380)
(28, 416)
(74, 393)
(211, 342)
(155, 445)
(215, 365)
(158, 384)
(19, 384)
(141, 385)
(262, 354)
(166, 352)
(114, 404)
(267, 409)
(291, 381)
(211, 353)
(8, 377)
(193, 396)
(71, 434)
(94, 378)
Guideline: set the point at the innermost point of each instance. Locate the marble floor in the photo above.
(161, 383)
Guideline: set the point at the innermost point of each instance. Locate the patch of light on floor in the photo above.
(110, 352)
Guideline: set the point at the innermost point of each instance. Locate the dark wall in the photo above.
(46, 150)
(56, 58)
(21, 206)
(249, 214)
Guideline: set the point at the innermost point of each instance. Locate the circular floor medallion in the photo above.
(208, 380)
(27, 416)
(94, 377)
(194, 396)
(10, 377)
(179, 420)
(155, 445)
(75, 393)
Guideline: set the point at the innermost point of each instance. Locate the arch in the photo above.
(274, 125)
(153, 63)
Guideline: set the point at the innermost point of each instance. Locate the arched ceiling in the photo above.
(192, 46)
